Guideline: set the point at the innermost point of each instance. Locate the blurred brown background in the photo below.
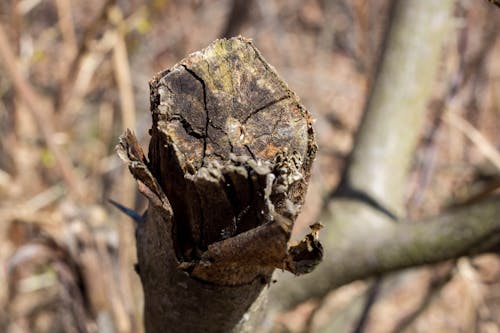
(74, 75)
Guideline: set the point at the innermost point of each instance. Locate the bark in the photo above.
(395, 111)
(371, 196)
(363, 239)
(229, 160)
(375, 249)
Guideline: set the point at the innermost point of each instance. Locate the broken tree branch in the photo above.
(229, 160)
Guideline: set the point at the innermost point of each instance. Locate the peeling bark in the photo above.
(229, 160)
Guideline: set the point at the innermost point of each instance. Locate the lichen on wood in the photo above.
(229, 161)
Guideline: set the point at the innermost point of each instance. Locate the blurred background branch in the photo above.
(41, 111)
(370, 195)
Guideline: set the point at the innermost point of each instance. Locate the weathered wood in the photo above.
(229, 160)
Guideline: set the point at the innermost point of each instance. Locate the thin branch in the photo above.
(121, 69)
(68, 81)
(371, 298)
(436, 286)
(237, 16)
(35, 104)
(66, 26)
(483, 144)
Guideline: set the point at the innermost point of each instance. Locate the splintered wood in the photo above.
(229, 159)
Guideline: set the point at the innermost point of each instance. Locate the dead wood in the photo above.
(229, 160)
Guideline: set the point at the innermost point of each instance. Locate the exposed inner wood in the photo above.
(229, 160)
(225, 128)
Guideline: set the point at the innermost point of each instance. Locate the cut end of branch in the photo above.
(231, 149)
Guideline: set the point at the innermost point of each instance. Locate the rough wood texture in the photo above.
(229, 159)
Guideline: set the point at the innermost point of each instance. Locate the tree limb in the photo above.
(229, 160)
(376, 249)
(395, 111)
(371, 195)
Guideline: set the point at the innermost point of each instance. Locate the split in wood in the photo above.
(229, 160)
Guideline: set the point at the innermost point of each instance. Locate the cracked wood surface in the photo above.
(229, 161)
(221, 118)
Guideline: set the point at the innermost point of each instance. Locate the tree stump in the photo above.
(229, 160)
